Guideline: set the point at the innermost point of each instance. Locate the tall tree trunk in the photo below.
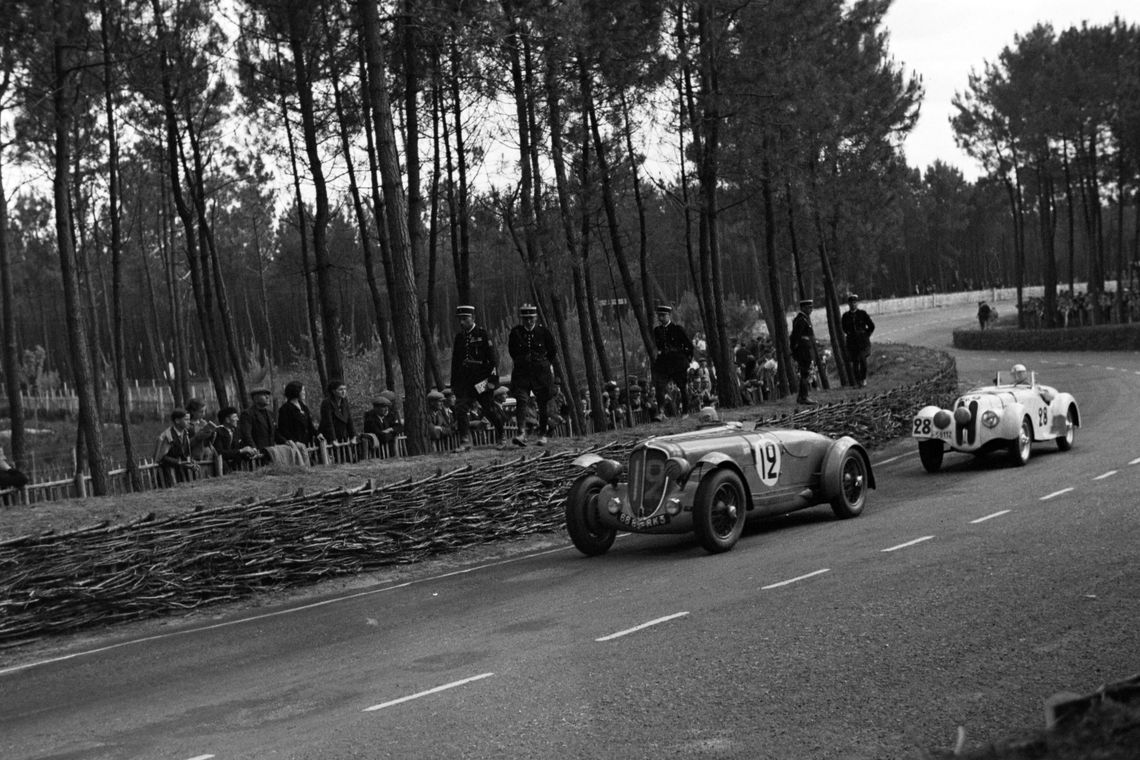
(330, 318)
(462, 255)
(779, 323)
(113, 190)
(89, 426)
(7, 316)
(409, 342)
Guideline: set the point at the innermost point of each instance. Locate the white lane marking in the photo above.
(437, 689)
(793, 580)
(1108, 474)
(1137, 459)
(1047, 497)
(201, 757)
(1111, 368)
(989, 517)
(892, 459)
(908, 543)
(278, 613)
(636, 628)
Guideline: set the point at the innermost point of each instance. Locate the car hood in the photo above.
(725, 437)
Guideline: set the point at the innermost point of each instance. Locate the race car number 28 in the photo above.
(767, 461)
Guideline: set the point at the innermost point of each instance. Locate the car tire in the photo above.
(930, 454)
(1065, 442)
(851, 489)
(719, 511)
(583, 520)
(1019, 447)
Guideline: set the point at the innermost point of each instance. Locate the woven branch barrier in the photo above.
(56, 583)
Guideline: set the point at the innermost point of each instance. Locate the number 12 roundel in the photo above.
(767, 460)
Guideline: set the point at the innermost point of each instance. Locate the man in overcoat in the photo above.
(857, 328)
(474, 376)
(674, 354)
(802, 345)
(532, 350)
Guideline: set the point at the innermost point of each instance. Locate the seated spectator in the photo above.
(257, 425)
(233, 450)
(441, 419)
(201, 431)
(10, 477)
(383, 422)
(172, 450)
(336, 416)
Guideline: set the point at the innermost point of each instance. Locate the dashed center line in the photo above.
(1137, 459)
(908, 543)
(201, 757)
(1049, 496)
(636, 628)
(793, 580)
(990, 517)
(437, 689)
(1108, 474)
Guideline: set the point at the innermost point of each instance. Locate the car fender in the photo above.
(1010, 425)
(586, 461)
(829, 471)
(715, 460)
(1060, 404)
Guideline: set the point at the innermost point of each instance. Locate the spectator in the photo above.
(294, 420)
(383, 422)
(857, 328)
(674, 353)
(10, 477)
(201, 431)
(802, 345)
(441, 420)
(172, 450)
(228, 442)
(474, 376)
(983, 314)
(257, 426)
(336, 416)
(533, 352)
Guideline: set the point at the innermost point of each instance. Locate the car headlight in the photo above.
(990, 418)
(677, 469)
(962, 415)
(942, 419)
(608, 470)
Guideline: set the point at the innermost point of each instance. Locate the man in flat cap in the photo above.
(474, 376)
(857, 328)
(802, 345)
(257, 426)
(532, 350)
(674, 354)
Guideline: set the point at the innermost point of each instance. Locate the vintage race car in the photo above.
(1007, 416)
(708, 481)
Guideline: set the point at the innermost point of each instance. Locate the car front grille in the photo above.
(968, 432)
(646, 480)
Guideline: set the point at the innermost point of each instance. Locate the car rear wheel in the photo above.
(1065, 442)
(930, 453)
(583, 520)
(719, 511)
(1020, 446)
(851, 490)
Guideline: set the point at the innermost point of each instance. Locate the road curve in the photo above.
(958, 599)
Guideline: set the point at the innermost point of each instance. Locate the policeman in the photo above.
(674, 354)
(474, 376)
(532, 350)
(857, 328)
(802, 345)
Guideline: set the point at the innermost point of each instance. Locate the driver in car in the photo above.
(1020, 374)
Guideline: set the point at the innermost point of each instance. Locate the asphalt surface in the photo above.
(961, 599)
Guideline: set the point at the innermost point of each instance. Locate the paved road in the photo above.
(958, 599)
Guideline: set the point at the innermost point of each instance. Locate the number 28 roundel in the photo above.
(767, 453)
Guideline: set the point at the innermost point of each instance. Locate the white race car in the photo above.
(1009, 415)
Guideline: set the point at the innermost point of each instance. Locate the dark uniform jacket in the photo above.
(295, 423)
(336, 420)
(533, 352)
(674, 350)
(473, 359)
(802, 338)
(857, 327)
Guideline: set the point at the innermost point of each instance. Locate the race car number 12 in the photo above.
(767, 462)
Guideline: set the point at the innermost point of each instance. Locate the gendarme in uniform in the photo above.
(674, 353)
(474, 362)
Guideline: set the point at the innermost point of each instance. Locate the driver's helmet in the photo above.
(1020, 373)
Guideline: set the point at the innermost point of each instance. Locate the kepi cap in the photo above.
(852, 296)
(806, 302)
(664, 308)
(464, 311)
(528, 310)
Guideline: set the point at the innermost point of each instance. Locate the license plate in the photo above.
(938, 435)
(640, 523)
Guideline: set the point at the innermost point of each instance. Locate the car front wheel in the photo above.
(583, 520)
(930, 453)
(851, 490)
(1020, 446)
(1065, 442)
(719, 511)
